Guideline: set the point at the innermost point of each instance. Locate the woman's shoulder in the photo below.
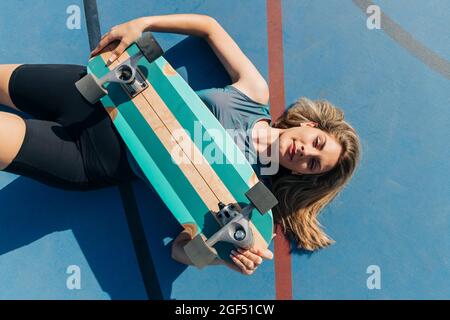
(232, 98)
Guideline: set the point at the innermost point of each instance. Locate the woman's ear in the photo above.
(309, 124)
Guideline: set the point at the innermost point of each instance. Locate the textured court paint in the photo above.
(39, 240)
(6, 178)
(42, 251)
(407, 40)
(395, 212)
(92, 22)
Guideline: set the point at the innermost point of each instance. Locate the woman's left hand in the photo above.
(247, 261)
(126, 33)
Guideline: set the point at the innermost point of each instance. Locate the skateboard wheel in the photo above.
(125, 73)
(199, 252)
(90, 89)
(149, 46)
(261, 197)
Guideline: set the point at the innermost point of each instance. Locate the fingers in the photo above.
(246, 259)
(190, 228)
(241, 266)
(107, 39)
(264, 254)
(118, 51)
(251, 256)
(234, 265)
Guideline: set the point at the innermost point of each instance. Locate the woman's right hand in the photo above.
(247, 261)
(126, 33)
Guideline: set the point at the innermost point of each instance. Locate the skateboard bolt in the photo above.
(125, 73)
(239, 235)
(221, 205)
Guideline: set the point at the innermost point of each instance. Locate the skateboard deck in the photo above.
(190, 160)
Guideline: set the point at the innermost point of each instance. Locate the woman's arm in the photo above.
(189, 24)
(241, 70)
(129, 32)
(243, 73)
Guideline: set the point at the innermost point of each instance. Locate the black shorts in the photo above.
(69, 143)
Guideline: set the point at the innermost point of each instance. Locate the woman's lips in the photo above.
(292, 150)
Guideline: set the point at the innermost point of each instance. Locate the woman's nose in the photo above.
(306, 151)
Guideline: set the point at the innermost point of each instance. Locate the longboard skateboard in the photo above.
(160, 118)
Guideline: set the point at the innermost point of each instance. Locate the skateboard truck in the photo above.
(235, 226)
(127, 73)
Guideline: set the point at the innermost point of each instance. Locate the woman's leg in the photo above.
(44, 91)
(12, 135)
(48, 93)
(6, 70)
(49, 155)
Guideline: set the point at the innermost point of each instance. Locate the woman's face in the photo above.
(308, 150)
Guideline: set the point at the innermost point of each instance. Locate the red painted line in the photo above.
(283, 264)
(276, 61)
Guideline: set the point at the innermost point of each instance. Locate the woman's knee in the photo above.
(12, 135)
(6, 71)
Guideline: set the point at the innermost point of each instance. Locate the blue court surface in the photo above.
(392, 221)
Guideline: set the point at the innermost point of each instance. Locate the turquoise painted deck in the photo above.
(394, 214)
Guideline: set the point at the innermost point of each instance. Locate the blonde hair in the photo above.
(302, 197)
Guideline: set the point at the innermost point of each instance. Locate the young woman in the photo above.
(73, 145)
